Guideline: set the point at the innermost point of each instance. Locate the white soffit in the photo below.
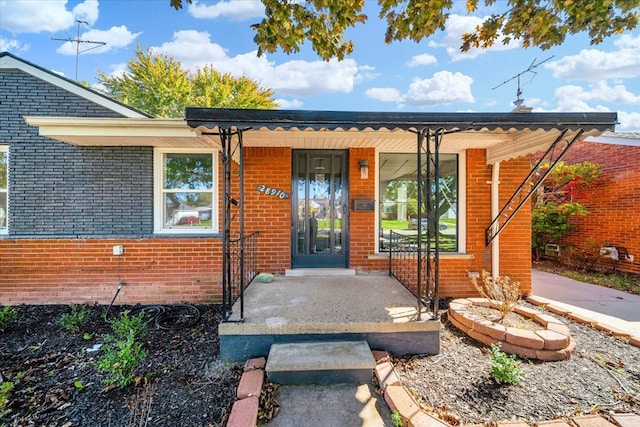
(122, 132)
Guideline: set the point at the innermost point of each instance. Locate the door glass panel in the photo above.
(318, 214)
(301, 167)
(337, 205)
(320, 204)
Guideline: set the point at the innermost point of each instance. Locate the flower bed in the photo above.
(552, 341)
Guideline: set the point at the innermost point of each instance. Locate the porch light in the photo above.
(364, 169)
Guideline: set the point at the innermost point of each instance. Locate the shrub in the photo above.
(123, 351)
(127, 324)
(501, 289)
(76, 319)
(504, 368)
(7, 315)
(5, 394)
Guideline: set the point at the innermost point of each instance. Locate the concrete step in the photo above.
(319, 272)
(333, 362)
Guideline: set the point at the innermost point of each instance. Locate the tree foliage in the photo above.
(555, 203)
(542, 23)
(158, 85)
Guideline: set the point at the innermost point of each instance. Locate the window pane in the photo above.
(187, 210)
(399, 198)
(188, 171)
(3, 210)
(4, 159)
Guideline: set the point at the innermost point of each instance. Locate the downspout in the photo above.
(495, 211)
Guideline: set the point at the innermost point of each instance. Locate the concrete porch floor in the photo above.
(373, 308)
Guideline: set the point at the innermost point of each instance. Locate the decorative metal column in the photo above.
(428, 166)
(238, 254)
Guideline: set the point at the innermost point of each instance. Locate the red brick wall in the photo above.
(85, 270)
(171, 269)
(269, 215)
(515, 239)
(613, 202)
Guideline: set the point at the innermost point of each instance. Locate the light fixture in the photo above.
(364, 169)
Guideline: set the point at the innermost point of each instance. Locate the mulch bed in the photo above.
(603, 375)
(181, 381)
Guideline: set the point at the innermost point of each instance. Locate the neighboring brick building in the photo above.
(86, 173)
(614, 200)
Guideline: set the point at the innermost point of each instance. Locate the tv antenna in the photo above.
(77, 41)
(518, 102)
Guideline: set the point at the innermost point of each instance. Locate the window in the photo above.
(4, 188)
(185, 191)
(399, 199)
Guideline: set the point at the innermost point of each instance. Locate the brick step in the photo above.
(320, 363)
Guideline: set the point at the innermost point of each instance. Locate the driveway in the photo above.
(607, 302)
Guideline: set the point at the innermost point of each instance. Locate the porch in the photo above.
(328, 305)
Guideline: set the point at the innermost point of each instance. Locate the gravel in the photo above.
(603, 375)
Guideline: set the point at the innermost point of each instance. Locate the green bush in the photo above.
(504, 368)
(7, 315)
(123, 351)
(75, 320)
(5, 394)
(121, 357)
(126, 325)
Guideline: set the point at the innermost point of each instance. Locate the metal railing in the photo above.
(242, 269)
(403, 266)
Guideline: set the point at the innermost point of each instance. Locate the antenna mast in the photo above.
(77, 41)
(518, 102)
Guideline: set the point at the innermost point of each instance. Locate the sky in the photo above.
(430, 76)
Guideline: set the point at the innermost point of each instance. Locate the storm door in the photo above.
(319, 209)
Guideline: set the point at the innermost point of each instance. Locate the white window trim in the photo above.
(462, 204)
(158, 209)
(5, 230)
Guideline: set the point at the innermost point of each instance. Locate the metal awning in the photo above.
(504, 135)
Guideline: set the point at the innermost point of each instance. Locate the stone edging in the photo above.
(609, 329)
(554, 342)
(244, 412)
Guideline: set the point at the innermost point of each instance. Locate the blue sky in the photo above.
(432, 75)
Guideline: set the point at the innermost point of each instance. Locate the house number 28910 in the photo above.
(272, 191)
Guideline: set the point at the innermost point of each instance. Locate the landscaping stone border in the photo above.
(548, 305)
(554, 342)
(244, 412)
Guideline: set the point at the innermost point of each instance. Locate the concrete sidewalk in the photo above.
(605, 305)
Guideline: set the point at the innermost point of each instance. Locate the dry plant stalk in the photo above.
(502, 290)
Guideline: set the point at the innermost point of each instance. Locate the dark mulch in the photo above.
(602, 376)
(55, 381)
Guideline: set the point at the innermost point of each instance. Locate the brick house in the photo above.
(88, 177)
(614, 200)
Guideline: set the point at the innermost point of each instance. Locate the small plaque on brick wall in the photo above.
(361, 205)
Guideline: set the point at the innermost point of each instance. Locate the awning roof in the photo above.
(504, 135)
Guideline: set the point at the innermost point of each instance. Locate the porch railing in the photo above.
(242, 259)
(403, 266)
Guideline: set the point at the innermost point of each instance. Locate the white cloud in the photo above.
(628, 121)
(577, 98)
(443, 88)
(13, 45)
(456, 26)
(194, 50)
(593, 64)
(236, 10)
(422, 59)
(289, 104)
(34, 16)
(115, 37)
(384, 94)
